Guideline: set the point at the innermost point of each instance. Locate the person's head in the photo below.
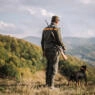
(55, 19)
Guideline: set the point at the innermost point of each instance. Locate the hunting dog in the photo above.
(79, 76)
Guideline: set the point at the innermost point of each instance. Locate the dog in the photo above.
(79, 76)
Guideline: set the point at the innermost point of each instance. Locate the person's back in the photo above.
(49, 37)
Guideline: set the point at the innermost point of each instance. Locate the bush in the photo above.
(18, 53)
(9, 70)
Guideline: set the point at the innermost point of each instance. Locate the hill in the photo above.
(18, 55)
(82, 48)
(20, 59)
(34, 40)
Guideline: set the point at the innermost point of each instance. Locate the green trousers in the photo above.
(52, 56)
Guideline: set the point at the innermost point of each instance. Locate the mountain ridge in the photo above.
(82, 48)
(19, 58)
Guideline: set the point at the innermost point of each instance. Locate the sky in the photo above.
(22, 18)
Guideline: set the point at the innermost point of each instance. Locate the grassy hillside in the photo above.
(20, 59)
(82, 48)
(73, 64)
(17, 55)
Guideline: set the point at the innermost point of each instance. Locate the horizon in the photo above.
(40, 37)
(27, 18)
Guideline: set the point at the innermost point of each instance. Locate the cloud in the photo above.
(30, 10)
(90, 33)
(37, 11)
(46, 13)
(4, 25)
(78, 16)
(7, 28)
(87, 33)
(9, 6)
(87, 1)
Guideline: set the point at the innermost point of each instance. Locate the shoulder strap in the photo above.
(53, 34)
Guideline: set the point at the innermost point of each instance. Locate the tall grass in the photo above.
(28, 87)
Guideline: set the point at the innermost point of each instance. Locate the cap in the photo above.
(54, 18)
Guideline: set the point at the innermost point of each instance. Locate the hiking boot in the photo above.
(52, 87)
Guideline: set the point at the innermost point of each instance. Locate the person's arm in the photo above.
(58, 37)
(42, 43)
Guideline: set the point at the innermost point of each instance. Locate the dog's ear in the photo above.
(82, 67)
(85, 66)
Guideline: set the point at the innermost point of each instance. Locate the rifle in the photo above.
(46, 22)
(63, 54)
(61, 50)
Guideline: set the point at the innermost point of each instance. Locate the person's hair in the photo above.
(54, 18)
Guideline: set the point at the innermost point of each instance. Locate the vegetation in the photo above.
(20, 58)
(16, 55)
(34, 90)
(82, 48)
(73, 64)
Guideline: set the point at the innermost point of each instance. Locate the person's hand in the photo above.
(63, 48)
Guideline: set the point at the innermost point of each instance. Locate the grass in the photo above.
(34, 90)
(35, 86)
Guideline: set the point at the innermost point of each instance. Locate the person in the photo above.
(50, 43)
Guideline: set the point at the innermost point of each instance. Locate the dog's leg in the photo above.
(85, 80)
(68, 83)
(79, 83)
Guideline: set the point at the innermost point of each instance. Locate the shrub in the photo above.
(9, 70)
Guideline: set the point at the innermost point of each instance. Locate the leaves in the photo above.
(20, 54)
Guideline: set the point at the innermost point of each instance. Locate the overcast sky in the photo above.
(21, 18)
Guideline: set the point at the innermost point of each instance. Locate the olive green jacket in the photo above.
(51, 37)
